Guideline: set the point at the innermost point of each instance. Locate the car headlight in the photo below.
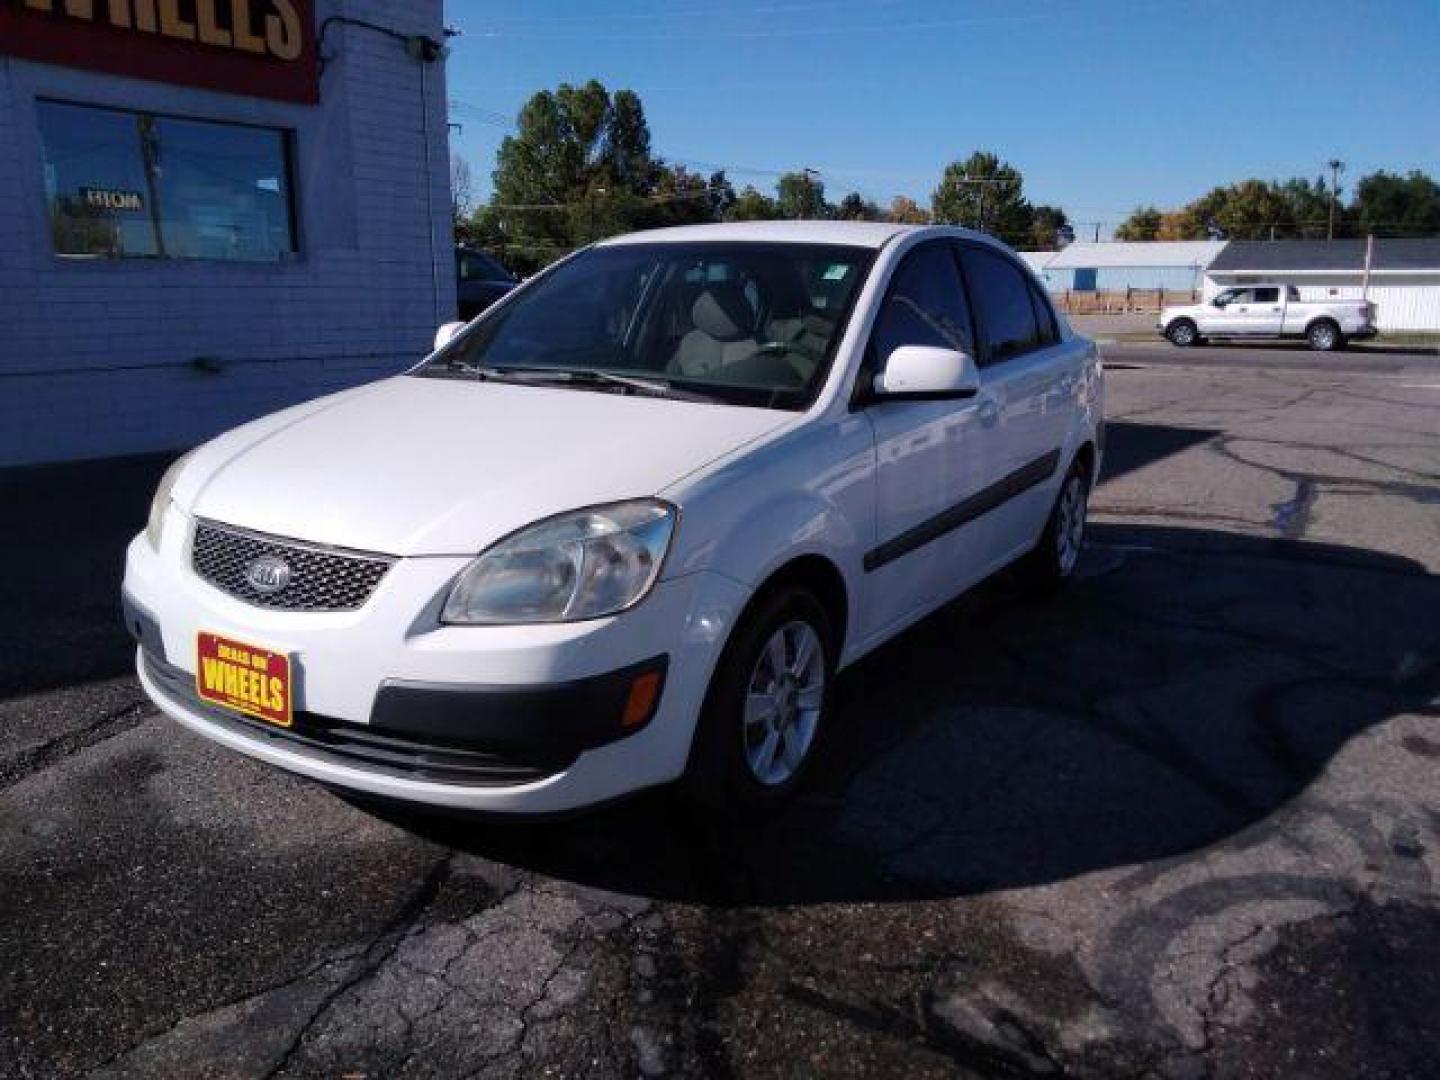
(580, 565)
(155, 525)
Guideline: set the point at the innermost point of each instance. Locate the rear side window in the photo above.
(924, 306)
(1267, 296)
(1047, 332)
(1002, 300)
(1292, 293)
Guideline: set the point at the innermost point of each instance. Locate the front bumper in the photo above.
(517, 719)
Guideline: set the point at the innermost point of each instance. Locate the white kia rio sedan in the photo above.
(626, 526)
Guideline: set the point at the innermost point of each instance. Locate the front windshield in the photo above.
(746, 323)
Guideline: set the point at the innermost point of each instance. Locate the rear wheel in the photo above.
(766, 707)
(1054, 559)
(1324, 336)
(1182, 332)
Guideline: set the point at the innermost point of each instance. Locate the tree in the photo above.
(905, 211)
(1050, 229)
(801, 196)
(578, 167)
(751, 205)
(1307, 204)
(983, 192)
(855, 207)
(462, 189)
(1142, 224)
(1389, 204)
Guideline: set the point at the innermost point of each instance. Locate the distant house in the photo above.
(1114, 266)
(1037, 261)
(1404, 276)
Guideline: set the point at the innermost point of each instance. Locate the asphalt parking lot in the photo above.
(1182, 821)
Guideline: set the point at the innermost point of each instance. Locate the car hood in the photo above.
(420, 466)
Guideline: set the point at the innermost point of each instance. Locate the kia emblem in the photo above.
(268, 575)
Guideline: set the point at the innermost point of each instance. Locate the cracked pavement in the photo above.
(1183, 821)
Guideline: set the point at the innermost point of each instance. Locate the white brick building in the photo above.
(188, 244)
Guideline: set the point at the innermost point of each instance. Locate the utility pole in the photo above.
(812, 184)
(1336, 168)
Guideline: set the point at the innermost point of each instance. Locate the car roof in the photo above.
(870, 234)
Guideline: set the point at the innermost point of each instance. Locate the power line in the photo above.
(812, 30)
(708, 12)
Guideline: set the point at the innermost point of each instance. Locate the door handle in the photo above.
(988, 412)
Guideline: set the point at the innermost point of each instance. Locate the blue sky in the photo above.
(1102, 104)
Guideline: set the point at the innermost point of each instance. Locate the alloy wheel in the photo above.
(1070, 523)
(783, 699)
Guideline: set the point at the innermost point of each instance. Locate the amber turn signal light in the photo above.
(640, 703)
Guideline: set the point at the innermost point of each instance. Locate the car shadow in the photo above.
(64, 537)
(1189, 685)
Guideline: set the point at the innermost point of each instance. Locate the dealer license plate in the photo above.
(247, 678)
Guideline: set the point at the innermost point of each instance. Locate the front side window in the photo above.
(126, 184)
(749, 323)
(1002, 296)
(925, 305)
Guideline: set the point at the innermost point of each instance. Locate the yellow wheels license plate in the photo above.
(246, 678)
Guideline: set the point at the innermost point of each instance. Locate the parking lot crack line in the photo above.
(113, 723)
(380, 949)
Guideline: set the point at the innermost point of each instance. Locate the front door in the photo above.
(1231, 312)
(929, 454)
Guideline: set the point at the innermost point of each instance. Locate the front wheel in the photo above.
(1183, 333)
(1052, 563)
(766, 707)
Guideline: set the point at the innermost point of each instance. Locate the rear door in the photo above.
(1293, 315)
(1029, 379)
(930, 456)
(1265, 313)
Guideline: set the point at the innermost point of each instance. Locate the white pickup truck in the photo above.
(1269, 311)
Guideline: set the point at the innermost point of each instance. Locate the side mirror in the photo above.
(927, 371)
(446, 334)
(1217, 302)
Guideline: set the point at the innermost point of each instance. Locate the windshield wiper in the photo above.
(589, 377)
(592, 377)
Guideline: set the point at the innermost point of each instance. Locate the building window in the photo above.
(137, 185)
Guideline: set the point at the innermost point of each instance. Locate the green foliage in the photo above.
(1142, 224)
(751, 205)
(801, 196)
(580, 167)
(1386, 204)
(855, 207)
(1050, 229)
(1389, 204)
(982, 192)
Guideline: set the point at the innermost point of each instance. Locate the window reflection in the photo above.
(123, 184)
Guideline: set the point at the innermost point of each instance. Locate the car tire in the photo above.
(1183, 333)
(1324, 336)
(1051, 564)
(759, 728)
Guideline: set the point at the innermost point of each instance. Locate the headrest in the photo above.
(722, 312)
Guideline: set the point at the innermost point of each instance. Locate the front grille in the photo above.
(363, 745)
(321, 579)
